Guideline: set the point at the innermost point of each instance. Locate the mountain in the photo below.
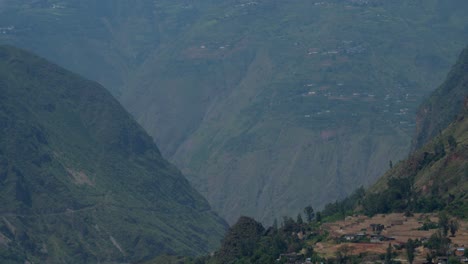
(444, 104)
(266, 106)
(405, 208)
(81, 181)
(435, 176)
(281, 104)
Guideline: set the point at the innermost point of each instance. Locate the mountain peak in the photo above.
(80, 178)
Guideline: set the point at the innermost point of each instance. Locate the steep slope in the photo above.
(444, 104)
(282, 104)
(435, 176)
(80, 181)
(267, 106)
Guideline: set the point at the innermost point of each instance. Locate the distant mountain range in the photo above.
(266, 106)
(81, 181)
(404, 203)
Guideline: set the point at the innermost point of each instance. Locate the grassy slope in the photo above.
(81, 181)
(444, 104)
(233, 118)
(445, 177)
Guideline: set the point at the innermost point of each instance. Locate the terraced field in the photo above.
(397, 226)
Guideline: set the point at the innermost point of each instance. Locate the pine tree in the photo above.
(410, 248)
(444, 223)
(453, 227)
(299, 219)
(389, 254)
(318, 217)
(309, 213)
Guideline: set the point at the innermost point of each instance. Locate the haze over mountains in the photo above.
(407, 205)
(81, 181)
(266, 106)
(437, 171)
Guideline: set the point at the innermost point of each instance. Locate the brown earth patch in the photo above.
(397, 226)
(80, 178)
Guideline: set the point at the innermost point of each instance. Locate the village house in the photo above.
(460, 251)
(442, 260)
(376, 239)
(377, 227)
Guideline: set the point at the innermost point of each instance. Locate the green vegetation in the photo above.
(81, 182)
(410, 248)
(247, 241)
(299, 102)
(432, 179)
(444, 105)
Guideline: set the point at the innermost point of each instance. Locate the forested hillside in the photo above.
(435, 176)
(266, 106)
(81, 182)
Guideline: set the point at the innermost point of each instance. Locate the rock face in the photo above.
(80, 180)
(266, 106)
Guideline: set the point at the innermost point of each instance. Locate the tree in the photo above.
(241, 240)
(439, 149)
(444, 223)
(452, 142)
(309, 213)
(453, 227)
(453, 260)
(439, 243)
(318, 217)
(289, 225)
(410, 248)
(343, 253)
(299, 219)
(389, 254)
(429, 258)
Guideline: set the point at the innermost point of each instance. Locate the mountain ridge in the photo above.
(434, 176)
(254, 94)
(444, 104)
(81, 180)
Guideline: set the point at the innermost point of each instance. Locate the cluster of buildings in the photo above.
(6, 30)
